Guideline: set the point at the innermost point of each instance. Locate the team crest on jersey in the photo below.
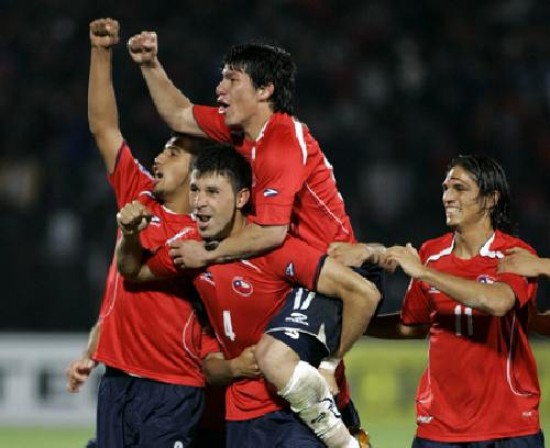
(289, 270)
(487, 279)
(242, 287)
(270, 192)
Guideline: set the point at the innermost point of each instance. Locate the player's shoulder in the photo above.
(437, 246)
(503, 241)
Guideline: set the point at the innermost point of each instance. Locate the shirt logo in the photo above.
(433, 290)
(289, 270)
(487, 279)
(424, 419)
(242, 286)
(208, 278)
(297, 318)
(155, 220)
(270, 192)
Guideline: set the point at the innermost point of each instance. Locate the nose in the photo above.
(220, 88)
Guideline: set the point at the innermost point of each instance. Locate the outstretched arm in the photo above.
(495, 299)
(522, 262)
(102, 108)
(359, 298)
(172, 105)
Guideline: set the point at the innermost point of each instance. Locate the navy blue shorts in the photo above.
(309, 313)
(281, 429)
(137, 412)
(532, 441)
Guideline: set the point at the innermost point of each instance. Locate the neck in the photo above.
(178, 202)
(253, 127)
(240, 221)
(468, 242)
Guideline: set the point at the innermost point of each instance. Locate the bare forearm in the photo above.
(495, 299)
(358, 308)
(129, 256)
(251, 241)
(93, 340)
(544, 267)
(169, 101)
(220, 371)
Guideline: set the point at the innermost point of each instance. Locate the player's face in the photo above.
(171, 170)
(237, 98)
(214, 202)
(461, 199)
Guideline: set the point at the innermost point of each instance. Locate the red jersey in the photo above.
(481, 382)
(293, 180)
(241, 298)
(149, 330)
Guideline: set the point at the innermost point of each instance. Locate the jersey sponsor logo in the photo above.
(270, 192)
(433, 290)
(297, 318)
(424, 419)
(289, 270)
(242, 286)
(487, 279)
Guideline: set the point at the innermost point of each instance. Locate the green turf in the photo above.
(44, 437)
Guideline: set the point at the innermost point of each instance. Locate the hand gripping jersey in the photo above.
(150, 330)
(481, 381)
(240, 298)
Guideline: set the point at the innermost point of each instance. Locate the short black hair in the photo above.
(225, 160)
(266, 63)
(189, 143)
(490, 178)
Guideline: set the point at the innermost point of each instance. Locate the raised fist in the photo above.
(104, 33)
(143, 48)
(133, 218)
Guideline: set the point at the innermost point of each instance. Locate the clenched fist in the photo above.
(133, 218)
(104, 33)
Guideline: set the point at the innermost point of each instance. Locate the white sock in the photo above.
(310, 398)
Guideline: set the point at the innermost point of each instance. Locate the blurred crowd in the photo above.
(391, 89)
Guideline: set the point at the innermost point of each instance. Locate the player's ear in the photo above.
(243, 197)
(266, 92)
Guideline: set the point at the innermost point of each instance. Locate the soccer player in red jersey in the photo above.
(147, 335)
(242, 296)
(294, 187)
(481, 388)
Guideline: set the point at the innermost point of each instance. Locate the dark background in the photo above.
(391, 89)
